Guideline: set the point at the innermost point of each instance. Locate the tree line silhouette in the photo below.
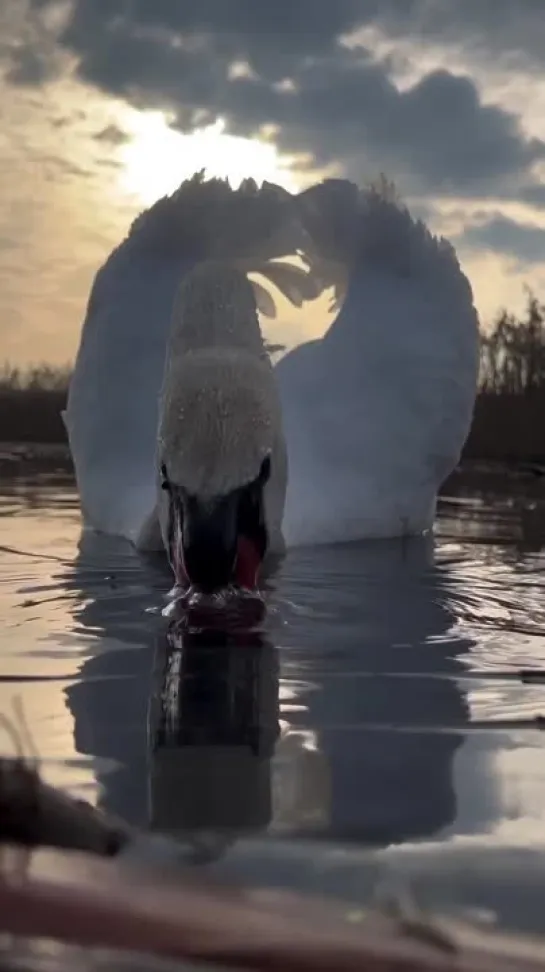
(508, 422)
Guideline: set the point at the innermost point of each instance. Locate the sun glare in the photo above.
(156, 158)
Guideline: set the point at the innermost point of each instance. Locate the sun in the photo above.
(156, 158)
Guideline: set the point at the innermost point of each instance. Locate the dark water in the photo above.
(395, 693)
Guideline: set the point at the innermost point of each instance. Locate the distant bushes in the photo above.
(509, 419)
(31, 401)
(508, 424)
(43, 378)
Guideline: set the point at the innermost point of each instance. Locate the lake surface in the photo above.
(394, 696)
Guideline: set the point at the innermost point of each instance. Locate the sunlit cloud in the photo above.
(155, 158)
(90, 133)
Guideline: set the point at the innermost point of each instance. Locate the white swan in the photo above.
(375, 413)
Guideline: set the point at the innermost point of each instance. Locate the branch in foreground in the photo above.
(97, 899)
(33, 814)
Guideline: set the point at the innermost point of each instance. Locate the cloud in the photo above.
(523, 241)
(274, 36)
(435, 136)
(61, 212)
(30, 66)
(340, 107)
(534, 195)
(111, 135)
(330, 103)
(510, 29)
(29, 51)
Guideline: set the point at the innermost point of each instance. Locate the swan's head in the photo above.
(220, 416)
(215, 452)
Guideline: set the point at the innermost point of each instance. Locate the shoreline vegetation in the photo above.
(508, 422)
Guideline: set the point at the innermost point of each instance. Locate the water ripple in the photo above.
(396, 691)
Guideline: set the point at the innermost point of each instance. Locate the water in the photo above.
(396, 693)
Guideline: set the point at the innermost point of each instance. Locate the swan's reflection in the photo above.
(371, 711)
(213, 727)
(115, 594)
(181, 721)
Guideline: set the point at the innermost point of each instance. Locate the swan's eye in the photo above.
(165, 483)
(265, 471)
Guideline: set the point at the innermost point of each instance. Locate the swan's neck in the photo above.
(215, 307)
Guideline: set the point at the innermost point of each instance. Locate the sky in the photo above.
(105, 105)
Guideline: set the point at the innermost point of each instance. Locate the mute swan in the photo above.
(375, 413)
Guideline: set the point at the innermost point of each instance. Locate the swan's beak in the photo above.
(209, 541)
(222, 541)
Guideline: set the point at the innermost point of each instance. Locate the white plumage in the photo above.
(375, 414)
